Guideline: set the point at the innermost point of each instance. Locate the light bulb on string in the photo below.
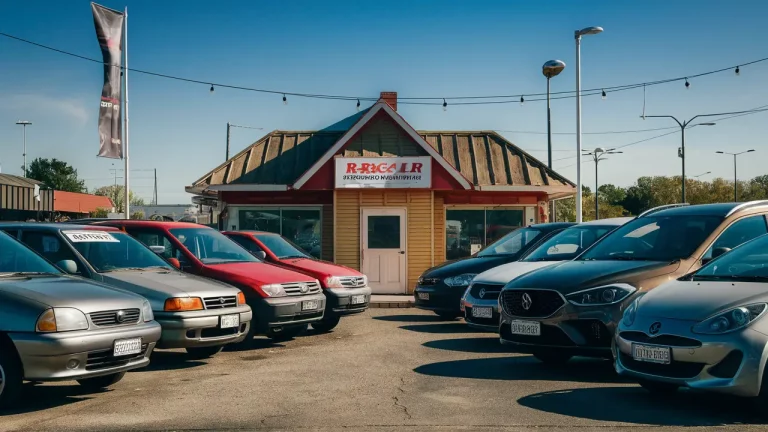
(687, 84)
(737, 71)
(445, 105)
(285, 100)
(522, 101)
(604, 95)
(358, 104)
(211, 89)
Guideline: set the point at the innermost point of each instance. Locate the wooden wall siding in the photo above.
(348, 229)
(23, 198)
(382, 137)
(419, 235)
(327, 232)
(439, 229)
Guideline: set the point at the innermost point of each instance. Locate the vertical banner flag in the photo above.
(109, 30)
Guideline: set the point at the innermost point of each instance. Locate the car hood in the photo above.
(255, 273)
(472, 265)
(319, 269)
(506, 272)
(572, 276)
(697, 301)
(164, 283)
(71, 291)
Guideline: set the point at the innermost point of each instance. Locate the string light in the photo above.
(687, 84)
(604, 95)
(358, 104)
(445, 105)
(211, 88)
(522, 100)
(737, 71)
(285, 100)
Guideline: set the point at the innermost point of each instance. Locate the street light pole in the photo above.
(550, 69)
(598, 155)
(578, 34)
(702, 174)
(735, 177)
(24, 124)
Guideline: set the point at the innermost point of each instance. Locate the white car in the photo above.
(480, 303)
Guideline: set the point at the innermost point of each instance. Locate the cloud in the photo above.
(74, 109)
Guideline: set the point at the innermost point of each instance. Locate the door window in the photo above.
(249, 245)
(156, 238)
(739, 232)
(383, 232)
(50, 247)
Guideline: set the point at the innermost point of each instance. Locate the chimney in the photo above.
(390, 98)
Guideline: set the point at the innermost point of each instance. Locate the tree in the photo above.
(56, 174)
(117, 194)
(99, 213)
(612, 194)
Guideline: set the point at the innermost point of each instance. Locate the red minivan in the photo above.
(284, 302)
(346, 290)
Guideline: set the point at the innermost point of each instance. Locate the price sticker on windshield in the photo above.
(90, 236)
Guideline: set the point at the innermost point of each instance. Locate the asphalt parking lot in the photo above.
(387, 369)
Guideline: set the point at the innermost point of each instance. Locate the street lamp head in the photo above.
(720, 152)
(707, 124)
(599, 150)
(23, 122)
(589, 31)
(750, 150)
(552, 68)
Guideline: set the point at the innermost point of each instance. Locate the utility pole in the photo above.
(598, 155)
(735, 177)
(155, 186)
(229, 126)
(24, 124)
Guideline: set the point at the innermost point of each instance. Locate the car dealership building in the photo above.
(372, 193)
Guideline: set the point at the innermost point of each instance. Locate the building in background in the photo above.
(75, 205)
(23, 199)
(371, 193)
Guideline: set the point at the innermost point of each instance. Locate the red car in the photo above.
(284, 302)
(346, 290)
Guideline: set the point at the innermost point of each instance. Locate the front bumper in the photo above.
(197, 329)
(577, 330)
(339, 300)
(732, 363)
(442, 298)
(489, 324)
(285, 312)
(82, 354)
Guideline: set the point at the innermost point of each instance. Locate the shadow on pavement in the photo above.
(524, 368)
(169, 360)
(636, 405)
(410, 318)
(445, 328)
(487, 345)
(42, 397)
(256, 343)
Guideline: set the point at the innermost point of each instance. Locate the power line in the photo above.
(531, 97)
(588, 133)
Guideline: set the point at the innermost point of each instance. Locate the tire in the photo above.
(11, 376)
(102, 382)
(203, 352)
(447, 316)
(287, 333)
(659, 388)
(328, 323)
(551, 358)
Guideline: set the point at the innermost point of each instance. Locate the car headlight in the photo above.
(603, 295)
(146, 312)
(629, 314)
(731, 319)
(333, 282)
(460, 280)
(61, 320)
(274, 290)
(181, 304)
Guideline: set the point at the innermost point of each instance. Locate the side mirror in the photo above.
(260, 255)
(68, 266)
(716, 252)
(158, 249)
(175, 262)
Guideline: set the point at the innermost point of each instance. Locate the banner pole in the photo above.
(127, 201)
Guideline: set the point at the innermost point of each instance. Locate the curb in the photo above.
(391, 305)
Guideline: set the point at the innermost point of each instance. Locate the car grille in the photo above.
(294, 288)
(352, 281)
(666, 340)
(104, 359)
(220, 302)
(428, 281)
(544, 303)
(490, 292)
(672, 370)
(110, 318)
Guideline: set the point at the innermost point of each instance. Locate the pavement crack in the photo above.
(401, 406)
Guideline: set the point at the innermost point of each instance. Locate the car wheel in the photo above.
(659, 388)
(328, 323)
(552, 358)
(102, 382)
(203, 352)
(10, 377)
(447, 316)
(287, 333)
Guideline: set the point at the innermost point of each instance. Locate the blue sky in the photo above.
(424, 48)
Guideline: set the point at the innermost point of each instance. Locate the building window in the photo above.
(302, 226)
(469, 230)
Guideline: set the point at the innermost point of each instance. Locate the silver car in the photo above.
(706, 330)
(198, 314)
(55, 327)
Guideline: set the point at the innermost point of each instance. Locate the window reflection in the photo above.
(300, 226)
(468, 231)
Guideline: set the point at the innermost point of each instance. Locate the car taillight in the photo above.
(177, 304)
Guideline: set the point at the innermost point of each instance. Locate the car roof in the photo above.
(152, 223)
(717, 209)
(609, 221)
(52, 226)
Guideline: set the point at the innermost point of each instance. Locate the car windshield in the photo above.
(654, 238)
(211, 246)
(113, 251)
(511, 243)
(569, 243)
(17, 258)
(747, 262)
(281, 247)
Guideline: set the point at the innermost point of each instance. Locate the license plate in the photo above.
(527, 328)
(483, 312)
(124, 347)
(423, 296)
(229, 321)
(357, 299)
(652, 354)
(309, 305)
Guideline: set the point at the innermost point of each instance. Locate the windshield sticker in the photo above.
(90, 236)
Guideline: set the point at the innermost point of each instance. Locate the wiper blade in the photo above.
(293, 256)
(730, 278)
(22, 274)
